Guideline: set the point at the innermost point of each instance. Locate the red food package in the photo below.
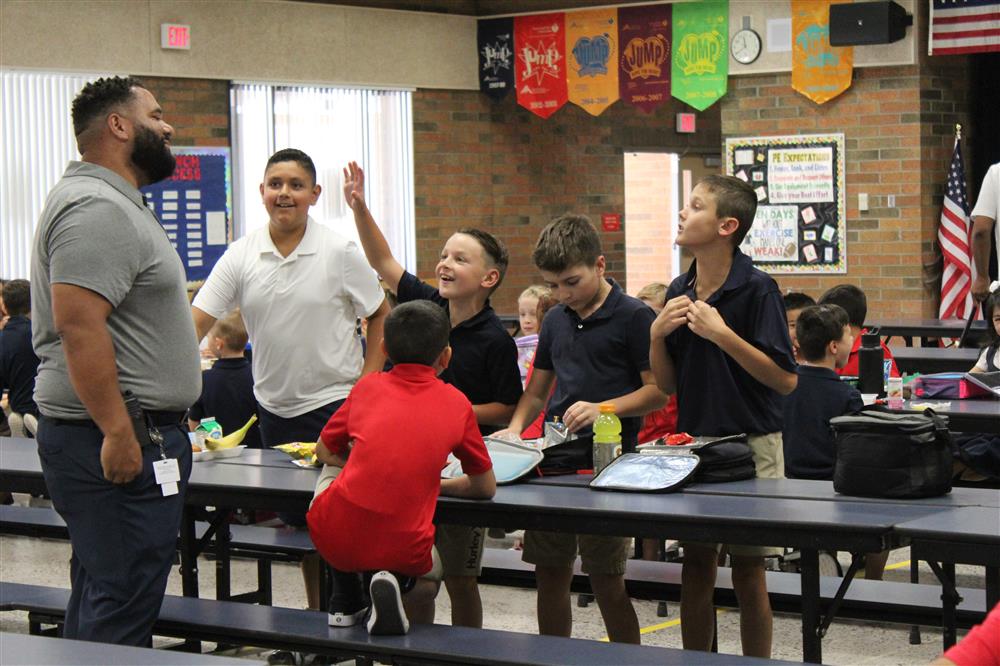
(678, 439)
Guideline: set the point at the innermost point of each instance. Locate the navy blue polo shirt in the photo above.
(18, 365)
(715, 395)
(598, 358)
(809, 445)
(227, 394)
(483, 355)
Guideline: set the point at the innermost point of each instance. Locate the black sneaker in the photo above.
(387, 616)
(347, 599)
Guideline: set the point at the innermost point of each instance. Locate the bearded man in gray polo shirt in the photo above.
(111, 318)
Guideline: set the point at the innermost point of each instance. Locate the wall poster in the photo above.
(800, 226)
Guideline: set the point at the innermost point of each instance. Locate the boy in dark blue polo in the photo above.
(721, 343)
(825, 342)
(483, 363)
(227, 388)
(18, 363)
(594, 346)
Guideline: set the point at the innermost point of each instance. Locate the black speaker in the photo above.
(854, 24)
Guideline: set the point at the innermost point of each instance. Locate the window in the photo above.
(334, 126)
(38, 141)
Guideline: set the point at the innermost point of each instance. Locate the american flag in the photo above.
(964, 26)
(953, 236)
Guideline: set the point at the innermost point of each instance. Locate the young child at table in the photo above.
(989, 360)
(227, 387)
(545, 303)
(825, 341)
(795, 302)
(594, 346)
(854, 302)
(483, 365)
(721, 344)
(529, 324)
(391, 438)
(662, 422)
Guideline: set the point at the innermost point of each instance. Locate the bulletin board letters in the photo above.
(799, 180)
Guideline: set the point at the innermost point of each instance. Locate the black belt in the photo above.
(156, 418)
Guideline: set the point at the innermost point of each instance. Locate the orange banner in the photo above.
(592, 59)
(819, 71)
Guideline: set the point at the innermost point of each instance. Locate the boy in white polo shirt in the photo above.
(301, 287)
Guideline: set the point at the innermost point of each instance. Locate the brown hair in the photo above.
(567, 241)
(733, 198)
(231, 331)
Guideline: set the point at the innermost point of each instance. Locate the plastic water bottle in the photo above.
(607, 437)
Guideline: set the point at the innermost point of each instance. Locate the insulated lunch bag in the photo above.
(892, 455)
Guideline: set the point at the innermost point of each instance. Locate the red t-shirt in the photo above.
(660, 423)
(377, 513)
(851, 369)
(981, 646)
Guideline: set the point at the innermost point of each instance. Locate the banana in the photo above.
(231, 440)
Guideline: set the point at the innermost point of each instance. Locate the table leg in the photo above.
(992, 587)
(189, 554)
(812, 644)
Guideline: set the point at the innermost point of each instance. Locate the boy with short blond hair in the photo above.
(227, 387)
(594, 346)
(721, 344)
(483, 365)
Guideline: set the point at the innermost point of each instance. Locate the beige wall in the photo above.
(261, 40)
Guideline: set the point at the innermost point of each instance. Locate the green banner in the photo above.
(700, 64)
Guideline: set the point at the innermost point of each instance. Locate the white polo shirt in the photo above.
(300, 312)
(988, 203)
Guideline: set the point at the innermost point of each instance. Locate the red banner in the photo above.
(540, 66)
(644, 61)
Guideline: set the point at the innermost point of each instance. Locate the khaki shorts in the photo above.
(769, 458)
(599, 554)
(461, 549)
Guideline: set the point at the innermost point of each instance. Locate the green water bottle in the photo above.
(607, 437)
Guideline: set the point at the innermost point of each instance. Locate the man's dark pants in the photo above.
(124, 536)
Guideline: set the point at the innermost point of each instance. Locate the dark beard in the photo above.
(151, 156)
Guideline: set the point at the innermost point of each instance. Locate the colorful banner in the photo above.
(819, 71)
(592, 48)
(495, 40)
(700, 60)
(540, 67)
(644, 63)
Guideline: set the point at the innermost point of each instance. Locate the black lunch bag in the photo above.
(724, 460)
(892, 454)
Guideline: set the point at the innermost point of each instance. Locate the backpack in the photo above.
(725, 460)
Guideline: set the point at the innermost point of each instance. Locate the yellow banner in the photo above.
(819, 71)
(592, 59)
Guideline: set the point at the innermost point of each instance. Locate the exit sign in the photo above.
(175, 36)
(685, 123)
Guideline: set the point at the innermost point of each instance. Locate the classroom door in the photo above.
(651, 205)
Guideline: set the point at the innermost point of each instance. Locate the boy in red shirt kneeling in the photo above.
(372, 511)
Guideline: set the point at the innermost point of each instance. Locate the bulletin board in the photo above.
(801, 216)
(195, 207)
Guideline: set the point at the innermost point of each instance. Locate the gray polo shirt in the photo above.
(96, 233)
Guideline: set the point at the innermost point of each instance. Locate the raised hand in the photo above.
(354, 184)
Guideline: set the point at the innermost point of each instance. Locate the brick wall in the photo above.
(198, 109)
(898, 124)
(497, 166)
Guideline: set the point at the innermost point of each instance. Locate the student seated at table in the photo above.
(989, 359)
(795, 302)
(227, 387)
(825, 341)
(384, 450)
(18, 362)
(854, 302)
(979, 647)
(721, 344)
(594, 346)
